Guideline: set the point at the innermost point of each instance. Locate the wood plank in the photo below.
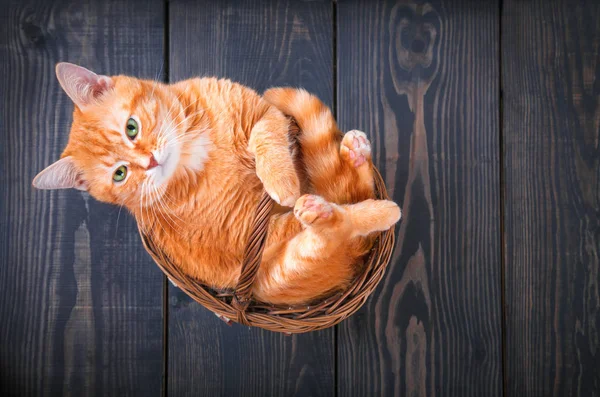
(260, 44)
(80, 301)
(421, 79)
(551, 75)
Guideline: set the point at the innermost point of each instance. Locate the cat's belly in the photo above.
(206, 238)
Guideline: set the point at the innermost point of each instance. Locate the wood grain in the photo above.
(421, 79)
(80, 301)
(551, 75)
(260, 44)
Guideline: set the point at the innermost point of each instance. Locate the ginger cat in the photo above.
(189, 160)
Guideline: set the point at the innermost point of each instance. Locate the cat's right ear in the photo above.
(81, 85)
(63, 174)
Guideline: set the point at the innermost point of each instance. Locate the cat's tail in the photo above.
(319, 141)
(312, 115)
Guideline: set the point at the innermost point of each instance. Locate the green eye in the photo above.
(120, 174)
(132, 128)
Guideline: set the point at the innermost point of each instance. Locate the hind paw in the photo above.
(356, 148)
(311, 209)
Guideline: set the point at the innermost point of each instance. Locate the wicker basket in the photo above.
(239, 306)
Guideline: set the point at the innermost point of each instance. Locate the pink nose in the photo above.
(153, 163)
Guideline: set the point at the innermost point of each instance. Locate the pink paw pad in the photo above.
(356, 147)
(309, 208)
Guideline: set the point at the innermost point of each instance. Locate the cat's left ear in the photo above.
(81, 85)
(63, 174)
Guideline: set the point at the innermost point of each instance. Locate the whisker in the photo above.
(164, 133)
(118, 216)
(180, 139)
(156, 80)
(156, 213)
(172, 201)
(170, 126)
(167, 117)
(187, 137)
(143, 225)
(177, 101)
(165, 206)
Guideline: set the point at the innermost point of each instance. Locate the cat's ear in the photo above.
(63, 174)
(81, 85)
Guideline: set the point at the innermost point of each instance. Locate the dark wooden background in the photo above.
(485, 122)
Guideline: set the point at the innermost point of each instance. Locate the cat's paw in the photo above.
(311, 209)
(285, 194)
(356, 148)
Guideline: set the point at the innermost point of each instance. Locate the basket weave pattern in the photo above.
(238, 305)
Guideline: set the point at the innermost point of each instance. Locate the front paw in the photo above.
(311, 209)
(284, 192)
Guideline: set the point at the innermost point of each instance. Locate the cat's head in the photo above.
(124, 144)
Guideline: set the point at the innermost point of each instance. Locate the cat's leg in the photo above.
(355, 151)
(270, 144)
(319, 138)
(321, 257)
(339, 169)
(350, 220)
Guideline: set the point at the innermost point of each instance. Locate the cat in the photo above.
(190, 161)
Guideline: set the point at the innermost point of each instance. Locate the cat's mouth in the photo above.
(167, 163)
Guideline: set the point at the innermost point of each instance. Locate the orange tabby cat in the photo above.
(190, 160)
